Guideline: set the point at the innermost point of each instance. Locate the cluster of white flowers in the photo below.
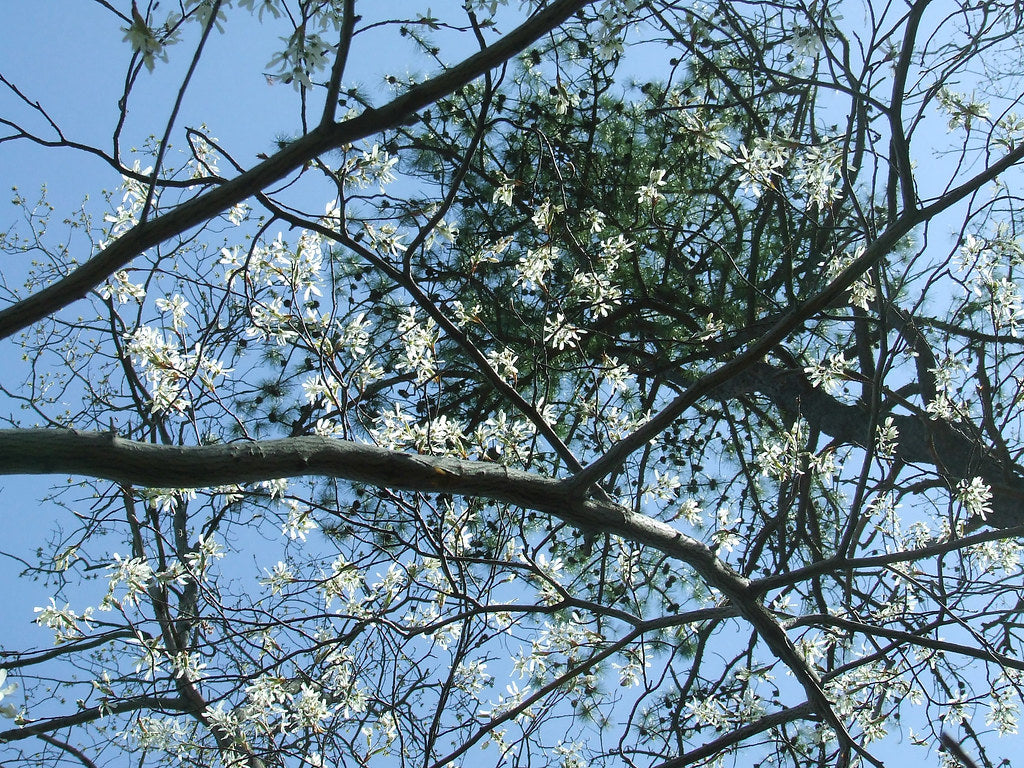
(151, 655)
(205, 156)
(199, 559)
(1001, 556)
(886, 438)
(7, 710)
(386, 238)
(122, 289)
(987, 263)
(176, 305)
(963, 109)
(511, 699)
(376, 166)
(615, 18)
(535, 265)
(727, 535)
(627, 562)
(397, 430)
(760, 164)
(126, 215)
(544, 215)
(276, 702)
(309, 709)
(976, 496)
(561, 641)
(665, 486)
(863, 292)
(615, 422)
(1004, 706)
(559, 333)
(305, 54)
(597, 292)
(650, 193)
(355, 337)
(299, 521)
(818, 175)
(1009, 130)
(947, 404)
(504, 363)
(828, 374)
(162, 734)
(948, 372)
(855, 693)
(134, 573)
(713, 328)
(471, 676)
(279, 578)
(724, 713)
(320, 387)
(264, 5)
(707, 134)
(149, 40)
(486, 8)
(188, 666)
(63, 621)
(615, 377)
(505, 190)
(169, 370)
(785, 457)
(838, 261)
(276, 265)
(342, 583)
(690, 511)
(419, 346)
(943, 407)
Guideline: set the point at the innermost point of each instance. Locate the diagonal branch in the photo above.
(951, 449)
(295, 155)
(792, 321)
(92, 714)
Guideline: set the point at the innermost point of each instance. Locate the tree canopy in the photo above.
(563, 382)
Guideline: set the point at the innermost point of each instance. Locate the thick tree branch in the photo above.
(955, 454)
(107, 456)
(295, 155)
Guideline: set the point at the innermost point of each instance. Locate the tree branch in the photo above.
(90, 714)
(105, 455)
(295, 155)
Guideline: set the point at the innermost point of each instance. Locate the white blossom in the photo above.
(176, 305)
(7, 710)
(278, 578)
(760, 165)
(504, 191)
(559, 333)
(976, 497)
(299, 522)
(63, 621)
(535, 265)
(829, 374)
(504, 363)
(650, 193)
(309, 709)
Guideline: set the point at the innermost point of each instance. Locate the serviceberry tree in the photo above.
(579, 382)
